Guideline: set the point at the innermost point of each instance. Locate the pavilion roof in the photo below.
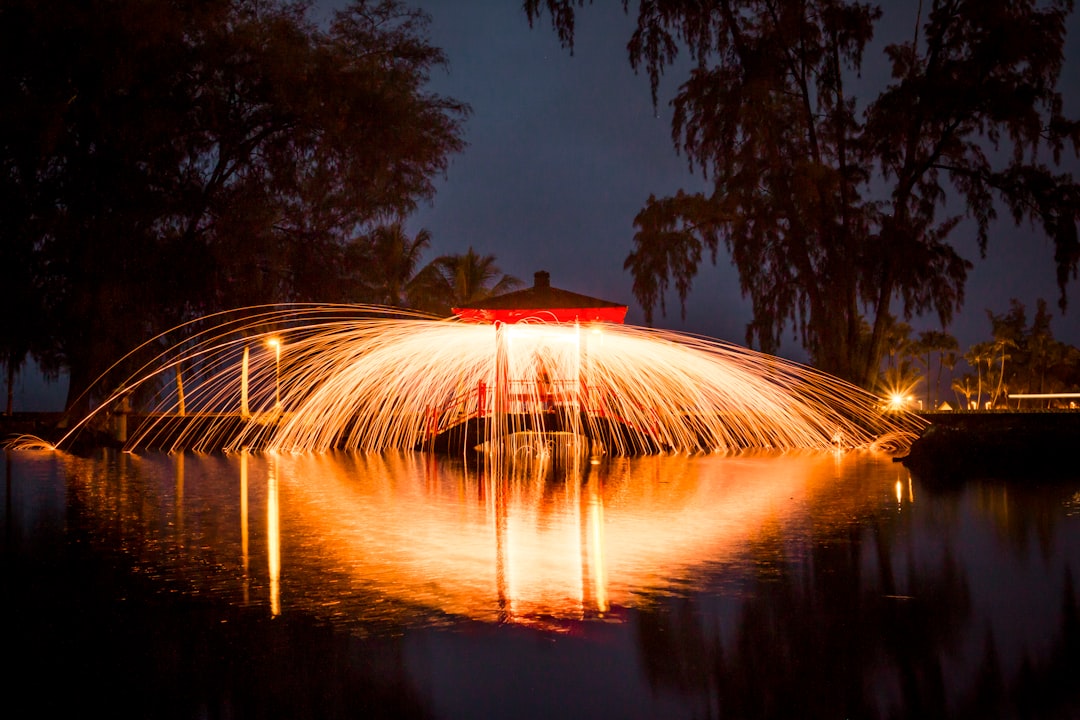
(542, 303)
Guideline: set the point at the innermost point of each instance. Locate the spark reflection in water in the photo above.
(414, 539)
(314, 378)
(746, 581)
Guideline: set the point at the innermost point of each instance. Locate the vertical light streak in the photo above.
(275, 343)
(273, 535)
(596, 548)
(497, 423)
(178, 469)
(580, 518)
(179, 391)
(244, 556)
(245, 410)
(497, 498)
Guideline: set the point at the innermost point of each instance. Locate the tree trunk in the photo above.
(872, 358)
(1001, 379)
(10, 386)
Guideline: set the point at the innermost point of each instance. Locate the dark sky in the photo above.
(564, 151)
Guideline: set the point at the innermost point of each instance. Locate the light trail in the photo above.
(309, 378)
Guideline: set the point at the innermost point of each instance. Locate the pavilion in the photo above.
(542, 384)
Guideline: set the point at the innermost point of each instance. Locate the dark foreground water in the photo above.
(763, 585)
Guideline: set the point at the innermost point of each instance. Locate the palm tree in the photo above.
(1000, 345)
(976, 355)
(451, 281)
(965, 386)
(898, 343)
(928, 343)
(947, 360)
(390, 258)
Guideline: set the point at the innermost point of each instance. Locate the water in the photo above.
(408, 585)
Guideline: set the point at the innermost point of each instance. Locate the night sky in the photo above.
(565, 149)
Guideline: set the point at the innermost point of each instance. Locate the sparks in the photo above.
(306, 378)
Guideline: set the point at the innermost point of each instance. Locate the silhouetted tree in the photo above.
(797, 171)
(932, 342)
(385, 261)
(21, 323)
(965, 386)
(1037, 362)
(180, 158)
(978, 355)
(899, 376)
(1043, 349)
(899, 348)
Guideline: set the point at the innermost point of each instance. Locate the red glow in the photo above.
(559, 315)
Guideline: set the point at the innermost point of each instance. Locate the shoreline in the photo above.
(954, 447)
(1006, 444)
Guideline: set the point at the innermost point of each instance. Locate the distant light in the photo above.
(897, 401)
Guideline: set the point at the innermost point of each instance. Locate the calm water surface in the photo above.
(758, 585)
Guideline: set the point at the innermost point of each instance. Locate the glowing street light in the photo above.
(276, 344)
(898, 402)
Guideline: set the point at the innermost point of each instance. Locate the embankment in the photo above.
(1041, 444)
(40, 424)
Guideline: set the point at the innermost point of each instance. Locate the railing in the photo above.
(524, 397)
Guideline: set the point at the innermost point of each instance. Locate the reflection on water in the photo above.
(809, 584)
(435, 540)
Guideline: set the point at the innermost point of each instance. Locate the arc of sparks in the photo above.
(310, 378)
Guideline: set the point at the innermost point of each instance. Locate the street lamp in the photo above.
(276, 344)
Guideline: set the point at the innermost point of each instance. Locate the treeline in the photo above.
(163, 161)
(1021, 357)
(836, 188)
